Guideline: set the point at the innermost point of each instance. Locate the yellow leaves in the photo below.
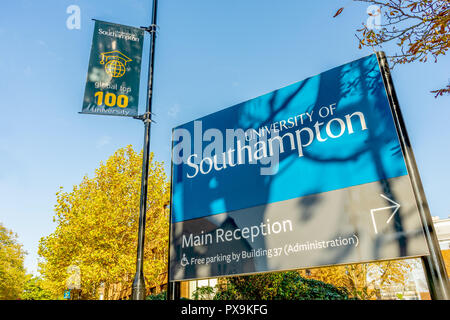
(97, 223)
(338, 12)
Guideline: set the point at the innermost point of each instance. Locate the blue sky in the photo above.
(210, 54)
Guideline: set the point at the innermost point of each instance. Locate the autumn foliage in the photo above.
(12, 271)
(97, 224)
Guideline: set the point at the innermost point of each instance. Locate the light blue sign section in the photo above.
(361, 157)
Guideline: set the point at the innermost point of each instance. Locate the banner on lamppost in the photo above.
(112, 85)
(310, 175)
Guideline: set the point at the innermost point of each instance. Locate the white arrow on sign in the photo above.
(396, 206)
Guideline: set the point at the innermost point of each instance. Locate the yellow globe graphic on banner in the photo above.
(115, 68)
(115, 63)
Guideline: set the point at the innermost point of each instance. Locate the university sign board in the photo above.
(310, 175)
(112, 84)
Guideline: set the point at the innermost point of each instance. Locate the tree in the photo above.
(12, 271)
(363, 280)
(420, 28)
(275, 286)
(34, 289)
(95, 240)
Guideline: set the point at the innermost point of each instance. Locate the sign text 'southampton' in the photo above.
(309, 175)
(112, 85)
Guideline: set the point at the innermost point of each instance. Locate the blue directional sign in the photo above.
(308, 175)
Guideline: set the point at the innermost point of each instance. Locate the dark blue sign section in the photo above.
(112, 84)
(328, 132)
(368, 222)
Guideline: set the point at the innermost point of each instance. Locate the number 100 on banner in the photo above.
(112, 85)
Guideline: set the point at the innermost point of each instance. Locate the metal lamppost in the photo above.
(138, 287)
